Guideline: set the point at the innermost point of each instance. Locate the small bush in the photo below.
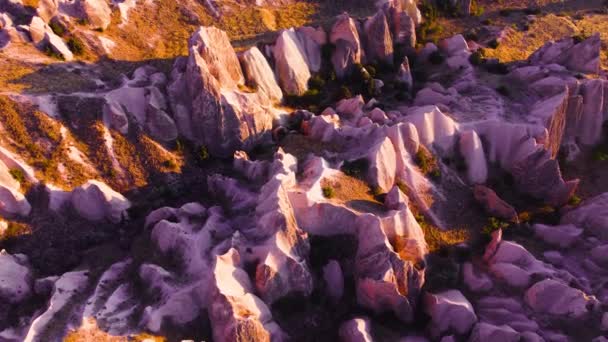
(476, 9)
(505, 12)
(476, 58)
(344, 93)
(316, 82)
(493, 44)
(18, 175)
(75, 45)
(169, 164)
(436, 58)
(57, 28)
(203, 153)
(493, 225)
(487, 22)
(51, 53)
(356, 168)
(574, 201)
(328, 192)
(427, 163)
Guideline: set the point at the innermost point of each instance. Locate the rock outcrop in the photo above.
(96, 201)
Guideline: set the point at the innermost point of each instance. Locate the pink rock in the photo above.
(493, 204)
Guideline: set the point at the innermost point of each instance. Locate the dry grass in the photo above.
(347, 189)
(14, 229)
(90, 332)
(519, 45)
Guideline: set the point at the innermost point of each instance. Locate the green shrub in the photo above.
(169, 164)
(493, 225)
(356, 168)
(51, 53)
(203, 153)
(316, 82)
(476, 58)
(493, 44)
(57, 28)
(476, 9)
(344, 93)
(328, 192)
(574, 201)
(18, 175)
(75, 45)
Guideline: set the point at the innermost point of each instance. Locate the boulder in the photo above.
(475, 280)
(488, 332)
(562, 236)
(404, 75)
(454, 46)
(334, 280)
(37, 30)
(12, 201)
(115, 117)
(450, 312)
(591, 215)
(207, 104)
(259, 74)
(56, 44)
(47, 9)
(97, 12)
(557, 299)
(348, 51)
(356, 330)
(16, 283)
(312, 40)
(96, 201)
(291, 67)
(494, 205)
(379, 44)
(472, 151)
(213, 46)
(234, 311)
(581, 56)
(160, 125)
(589, 128)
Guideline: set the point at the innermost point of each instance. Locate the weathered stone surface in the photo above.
(356, 330)
(493, 204)
(488, 332)
(450, 312)
(208, 107)
(311, 41)
(471, 149)
(345, 36)
(15, 278)
(97, 12)
(561, 236)
(582, 57)
(12, 201)
(592, 216)
(290, 63)
(379, 44)
(47, 9)
(558, 299)
(258, 73)
(96, 201)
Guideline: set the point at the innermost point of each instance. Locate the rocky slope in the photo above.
(340, 182)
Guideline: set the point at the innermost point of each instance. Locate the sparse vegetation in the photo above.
(493, 225)
(328, 191)
(76, 45)
(427, 163)
(18, 175)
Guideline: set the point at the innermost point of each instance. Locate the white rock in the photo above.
(561, 236)
(97, 12)
(334, 279)
(290, 63)
(356, 330)
(471, 149)
(488, 332)
(555, 298)
(450, 312)
(312, 40)
(258, 72)
(96, 200)
(15, 278)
